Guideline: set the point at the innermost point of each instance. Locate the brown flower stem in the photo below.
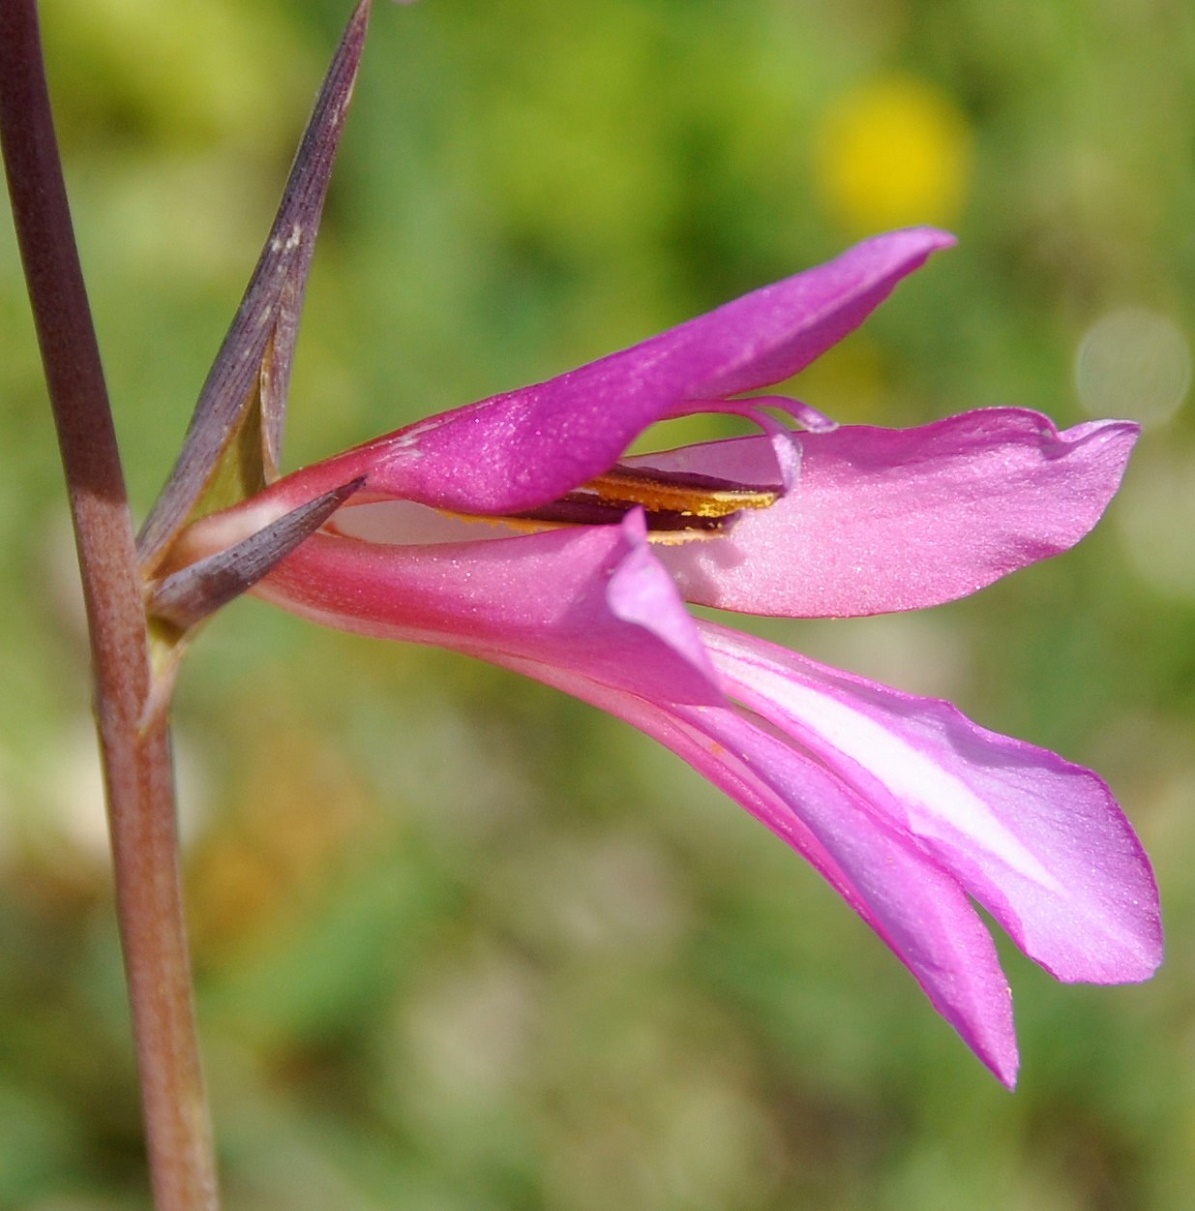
(137, 762)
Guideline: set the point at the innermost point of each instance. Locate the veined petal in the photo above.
(899, 519)
(524, 448)
(591, 599)
(1039, 842)
(918, 909)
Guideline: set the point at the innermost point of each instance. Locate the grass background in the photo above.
(463, 944)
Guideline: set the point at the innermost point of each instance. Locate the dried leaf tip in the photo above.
(233, 444)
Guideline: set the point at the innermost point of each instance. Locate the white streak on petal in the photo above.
(942, 803)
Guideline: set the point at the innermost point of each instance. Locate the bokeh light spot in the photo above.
(1133, 363)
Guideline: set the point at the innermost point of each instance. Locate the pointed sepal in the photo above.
(183, 598)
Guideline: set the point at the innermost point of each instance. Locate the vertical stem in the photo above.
(137, 763)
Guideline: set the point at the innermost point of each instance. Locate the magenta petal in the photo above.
(898, 519)
(527, 447)
(1039, 842)
(593, 600)
(918, 909)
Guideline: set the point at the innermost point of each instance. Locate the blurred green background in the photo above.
(463, 944)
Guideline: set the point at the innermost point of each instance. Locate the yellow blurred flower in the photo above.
(893, 151)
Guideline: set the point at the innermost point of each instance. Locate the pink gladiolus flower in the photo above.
(510, 531)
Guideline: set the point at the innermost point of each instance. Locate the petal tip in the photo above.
(914, 240)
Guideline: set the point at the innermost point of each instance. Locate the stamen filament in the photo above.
(689, 495)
